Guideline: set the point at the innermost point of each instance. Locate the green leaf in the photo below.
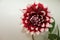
(52, 36)
(58, 38)
(53, 24)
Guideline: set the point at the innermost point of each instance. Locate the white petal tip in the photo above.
(32, 28)
(46, 29)
(51, 20)
(43, 25)
(27, 13)
(25, 21)
(36, 29)
(42, 29)
(47, 24)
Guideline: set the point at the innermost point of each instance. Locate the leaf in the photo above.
(53, 24)
(52, 36)
(58, 38)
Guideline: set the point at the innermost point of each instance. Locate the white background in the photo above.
(10, 28)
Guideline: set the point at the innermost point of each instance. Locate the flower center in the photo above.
(36, 20)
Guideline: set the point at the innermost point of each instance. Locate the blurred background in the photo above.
(10, 21)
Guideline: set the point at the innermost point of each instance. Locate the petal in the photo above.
(36, 28)
(27, 17)
(47, 19)
(25, 21)
(51, 20)
(38, 24)
(36, 6)
(42, 29)
(46, 29)
(43, 25)
(43, 12)
(32, 28)
(27, 14)
(47, 24)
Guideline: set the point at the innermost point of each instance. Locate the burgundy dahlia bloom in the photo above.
(36, 18)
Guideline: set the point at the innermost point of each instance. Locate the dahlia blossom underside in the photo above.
(36, 19)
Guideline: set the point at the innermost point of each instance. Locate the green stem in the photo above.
(58, 33)
(32, 37)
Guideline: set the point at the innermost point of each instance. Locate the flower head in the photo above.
(36, 18)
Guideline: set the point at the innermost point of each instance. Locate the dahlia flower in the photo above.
(36, 19)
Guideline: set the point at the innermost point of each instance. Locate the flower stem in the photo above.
(58, 33)
(32, 37)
